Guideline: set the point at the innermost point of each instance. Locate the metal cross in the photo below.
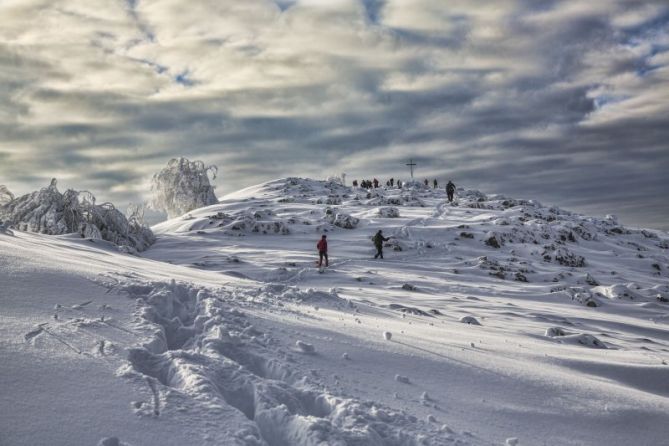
(411, 164)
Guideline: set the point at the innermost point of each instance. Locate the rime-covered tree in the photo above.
(183, 186)
(5, 195)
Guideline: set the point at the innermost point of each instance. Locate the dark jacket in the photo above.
(379, 239)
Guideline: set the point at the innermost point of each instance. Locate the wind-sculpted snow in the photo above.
(183, 186)
(48, 211)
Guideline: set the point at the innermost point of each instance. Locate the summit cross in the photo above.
(411, 165)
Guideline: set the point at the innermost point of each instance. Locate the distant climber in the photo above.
(435, 183)
(378, 243)
(392, 182)
(450, 190)
(427, 183)
(322, 247)
(355, 183)
(376, 183)
(399, 184)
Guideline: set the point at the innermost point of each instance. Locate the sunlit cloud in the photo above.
(563, 101)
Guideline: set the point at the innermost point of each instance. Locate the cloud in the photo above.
(563, 101)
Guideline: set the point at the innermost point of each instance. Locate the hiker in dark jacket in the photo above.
(426, 182)
(435, 183)
(322, 247)
(378, 243)
(376, 183)
(392, 182)
(450, 190)
(355, 183)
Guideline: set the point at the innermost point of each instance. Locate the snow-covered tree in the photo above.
(47, 211)
(5, 195)
(183, 186)
(338, 179)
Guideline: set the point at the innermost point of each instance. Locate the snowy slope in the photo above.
(490, 321)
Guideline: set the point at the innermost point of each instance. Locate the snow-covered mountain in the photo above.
(491, 320)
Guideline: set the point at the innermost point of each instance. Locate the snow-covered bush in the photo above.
(251, 221)
(553, 332)
(493, 240)
(183, 186)
(344, 220)
(563, 256)
(47, 211)
(329, 200)
(389, 212)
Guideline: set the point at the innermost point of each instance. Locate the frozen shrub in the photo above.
(389, 212)
(553, 332)
(341, 219)
(47, 211)
(183, 186)
(491, 239)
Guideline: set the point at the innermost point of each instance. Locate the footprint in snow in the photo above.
(402, 379)
(33, 333)
(305, 347)
(112, 441)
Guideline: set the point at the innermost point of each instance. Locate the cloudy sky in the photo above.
(566, 102)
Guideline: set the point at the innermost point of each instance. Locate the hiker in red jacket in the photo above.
(322, 246)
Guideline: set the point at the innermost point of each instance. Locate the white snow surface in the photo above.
(224, 332)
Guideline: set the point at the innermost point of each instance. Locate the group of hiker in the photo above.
(322, 247)
(391, 183)
(375, 183)
(378, 238)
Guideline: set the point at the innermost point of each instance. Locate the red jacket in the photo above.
(322, 245)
